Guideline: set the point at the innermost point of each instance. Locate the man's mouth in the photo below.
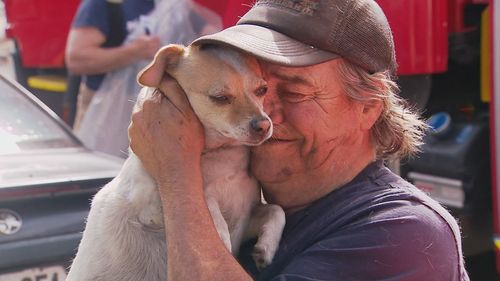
(278, 140)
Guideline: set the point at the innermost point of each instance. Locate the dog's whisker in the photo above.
(125, 153)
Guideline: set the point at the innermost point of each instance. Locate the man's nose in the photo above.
(273, 107)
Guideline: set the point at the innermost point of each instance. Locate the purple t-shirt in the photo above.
(377, 227)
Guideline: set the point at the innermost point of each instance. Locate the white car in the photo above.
(47, 179)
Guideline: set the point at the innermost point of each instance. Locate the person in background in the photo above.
(95, 43)
(337, 117)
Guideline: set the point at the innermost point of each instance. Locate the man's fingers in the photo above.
(174, 93)
(150, 108)
(146, 95)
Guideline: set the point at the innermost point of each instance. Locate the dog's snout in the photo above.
(260, 125)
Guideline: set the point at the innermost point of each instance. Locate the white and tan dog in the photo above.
(124, 236)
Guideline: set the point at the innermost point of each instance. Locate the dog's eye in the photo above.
(221, 99)
(261, 91)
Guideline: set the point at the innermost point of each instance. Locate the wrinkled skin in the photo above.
(321, 137)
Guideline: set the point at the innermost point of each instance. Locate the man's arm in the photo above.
(195, 251)
(168, 138)
(84, 54)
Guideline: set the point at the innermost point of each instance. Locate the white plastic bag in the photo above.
(104, 126)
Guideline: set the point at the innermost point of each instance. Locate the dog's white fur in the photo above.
(124, 238)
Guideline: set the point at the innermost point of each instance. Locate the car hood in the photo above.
(56, 165)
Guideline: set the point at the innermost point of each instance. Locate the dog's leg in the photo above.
(219, 221)
(266, 223)
(238, 233)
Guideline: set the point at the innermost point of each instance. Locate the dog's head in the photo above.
(224, 87)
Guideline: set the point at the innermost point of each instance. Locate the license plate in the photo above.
(50, 273)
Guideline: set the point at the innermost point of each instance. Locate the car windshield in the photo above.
(25, 126)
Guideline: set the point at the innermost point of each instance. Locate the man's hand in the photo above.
(145, 47)
(165, 133)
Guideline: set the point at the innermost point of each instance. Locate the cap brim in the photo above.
(267, 45)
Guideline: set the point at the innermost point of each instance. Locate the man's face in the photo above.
(316, 132)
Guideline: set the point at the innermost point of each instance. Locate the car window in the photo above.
(25, 126)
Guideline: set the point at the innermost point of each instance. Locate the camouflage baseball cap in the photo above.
(307, 32)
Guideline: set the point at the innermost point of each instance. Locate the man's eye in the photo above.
(293, 97)
(261, 91)
(221, 99)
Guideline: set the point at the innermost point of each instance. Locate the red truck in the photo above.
(39, 30)
(449, 59)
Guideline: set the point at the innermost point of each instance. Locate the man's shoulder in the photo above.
(375, 189)
(377, 200)
(91, 13)
(381, 221)
(92, 5)
(408, 242)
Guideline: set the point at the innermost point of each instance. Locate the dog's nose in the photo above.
(260, 125)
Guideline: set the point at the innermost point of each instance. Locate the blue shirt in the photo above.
(94, 13)
(377, 227)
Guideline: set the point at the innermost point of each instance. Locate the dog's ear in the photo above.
(165, 58)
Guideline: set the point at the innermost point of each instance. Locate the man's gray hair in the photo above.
(399, 131)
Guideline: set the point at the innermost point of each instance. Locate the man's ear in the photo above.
(166, 58)
(370, 113)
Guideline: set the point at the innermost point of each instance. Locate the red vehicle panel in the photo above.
(420, 34)
(39, 29)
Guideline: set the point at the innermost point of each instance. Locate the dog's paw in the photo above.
(262, 255)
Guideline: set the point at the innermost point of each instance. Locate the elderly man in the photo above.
(336, 117)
